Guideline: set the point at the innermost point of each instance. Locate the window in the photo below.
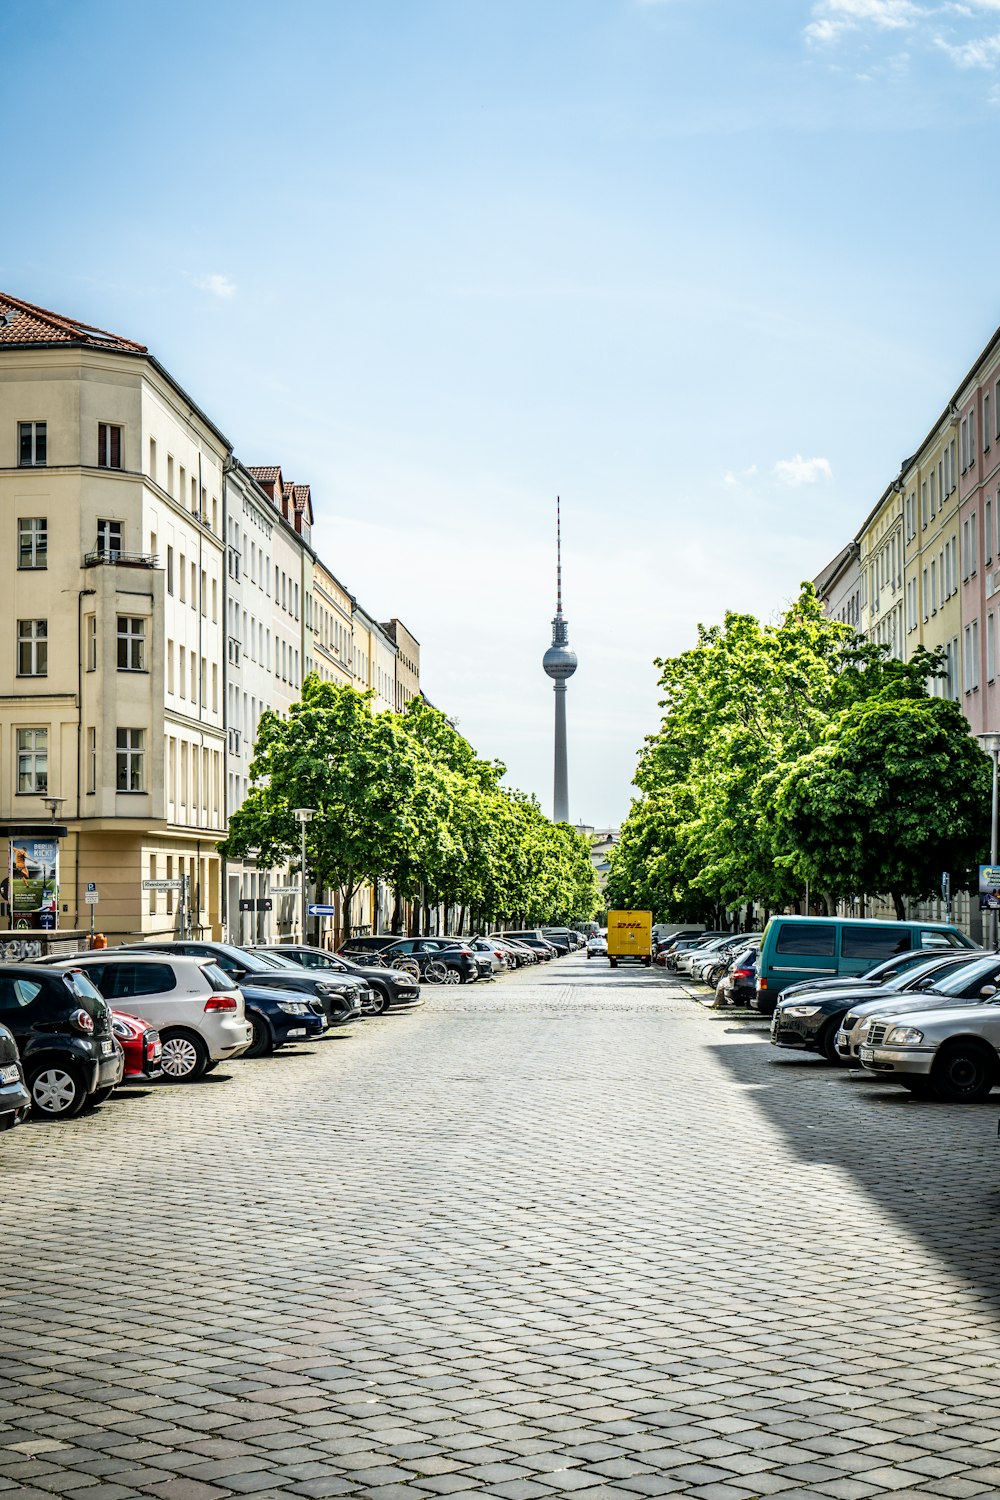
(32, 444)
(926, 595)
(972, 656)
(986, 422)
(129, 759)
(963, 433)
(170, 473)
(965, 549)
(32, 648)
(170, 570)
(972, 436)
(109, 446)
(988, 532)
(991, 647)
(33, 542)
(182, 576)
(874, 942)
(131, 643)
(182, 671)
(194, 585)
(33, 761)
(109, 540)
(923, 504)
(92, 760)
(152, 459)
(933, 494)
(934, 597)
(91, 629)
(973, 543)
(807, 940)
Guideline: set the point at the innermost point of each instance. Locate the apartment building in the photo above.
(880, 558)
(407, 662)
(929, 485)
(977, 403)
(330, 628)
(374, 660)
(111, 712)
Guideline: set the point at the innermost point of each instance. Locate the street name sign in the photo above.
(163, 885)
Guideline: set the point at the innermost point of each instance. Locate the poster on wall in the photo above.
(989, 887)
(33, 883)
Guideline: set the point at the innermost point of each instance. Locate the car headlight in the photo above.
(294, 1007)
(800, 1010)
(328, 989)
(903, 1036)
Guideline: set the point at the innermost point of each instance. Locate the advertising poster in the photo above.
(33, 883)
(989, 887)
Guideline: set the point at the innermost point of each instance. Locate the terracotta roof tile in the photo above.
(268, 473)
(21, 323)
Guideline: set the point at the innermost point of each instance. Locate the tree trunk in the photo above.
(397, 912)
(347, 891)
(900, 905)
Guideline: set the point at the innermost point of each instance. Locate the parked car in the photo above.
(535, 939)
(673, 951)
(711, 966)
(440, 960)
(881, 974)
(15, 1100)
(811, 1021)
(739, 983)
(141, 1045)
(798, 948)
(951, 1054)
(340, 996)
(496, 953)
(367, 944)
(278, 1017)
(62, 1027)
(193, 1003)
(597, 946)
(950, 984)
(390, 988)
(561, 938)
(688, 957)
(522, 955)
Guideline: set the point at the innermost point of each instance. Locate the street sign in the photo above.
(248, 903)
(284, 890)
(91, 898)
(91, 886)
(163, 885)
(322, 911)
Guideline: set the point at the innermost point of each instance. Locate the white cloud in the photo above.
(982, 52)
(832, 18)
(216, 284)
(799, 470)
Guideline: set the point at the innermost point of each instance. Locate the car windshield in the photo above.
(964, 975)
(908, 978)
(277, 960)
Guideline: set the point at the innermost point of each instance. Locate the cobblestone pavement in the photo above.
(564, 1234)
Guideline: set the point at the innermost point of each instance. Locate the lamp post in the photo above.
(990, 742)
(304, 816)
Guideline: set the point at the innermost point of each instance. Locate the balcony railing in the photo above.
(109, 556)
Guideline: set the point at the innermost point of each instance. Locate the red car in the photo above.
(140, 1044)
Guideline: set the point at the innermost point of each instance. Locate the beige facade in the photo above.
(407, 663)
(932, 614)
(880, 557)
(331, 637)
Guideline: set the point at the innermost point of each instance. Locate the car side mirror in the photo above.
(988, 990)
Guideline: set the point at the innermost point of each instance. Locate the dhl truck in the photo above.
(630, 936)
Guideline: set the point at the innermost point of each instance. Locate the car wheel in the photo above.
(377, 1005)
(263, 1043)
(58, 1091)
(827, 1041)
(184, 1057)
(963, 1073)
(100, 1096)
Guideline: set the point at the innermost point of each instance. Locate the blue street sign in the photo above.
(91, 885)
(322, 911)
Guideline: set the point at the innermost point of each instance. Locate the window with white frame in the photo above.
(109, 540)
(972, 436)
(991, 647)
(32, 762)
(933, 493)
(926, 596)
(963, 435)
(934, 587)
(129, 756)
(923, 504)
(131, 643)
(32, 542)
(965, 548)
(92, 760)
(32, 648)
(973, 543)
(32, 444)
(988, 533)
(986, 422)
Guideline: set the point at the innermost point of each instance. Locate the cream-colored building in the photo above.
(331, 632)
(880, 558)
(929, 486)
(111, 483)
(407, 663)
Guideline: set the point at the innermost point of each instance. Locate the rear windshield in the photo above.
(217, 978)
(91, 1000)
(812, 941)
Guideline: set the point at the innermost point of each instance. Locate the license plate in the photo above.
(841, 1038)
(107, 1048)
(10, 1074)
(356, 1004)
(866, 1054)
(297, 1031)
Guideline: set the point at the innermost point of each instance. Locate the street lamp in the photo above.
(990, 742)
(305, 815)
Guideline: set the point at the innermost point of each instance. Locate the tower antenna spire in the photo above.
(559, 663)
(558, 556)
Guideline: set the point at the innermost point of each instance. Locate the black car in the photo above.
(279, 1017)
(740, 983)
(391, 988)
(445, 960)
(811, 1019)
(64, 1035)
(340, 998)
(15, 1101)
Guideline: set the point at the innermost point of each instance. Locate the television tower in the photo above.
(559, 663)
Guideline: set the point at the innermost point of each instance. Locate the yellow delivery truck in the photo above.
(630, 935)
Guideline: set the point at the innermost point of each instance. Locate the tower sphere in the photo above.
(559, 662)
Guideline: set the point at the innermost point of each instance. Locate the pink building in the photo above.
(977, 407)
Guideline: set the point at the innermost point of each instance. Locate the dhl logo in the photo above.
(628, 926)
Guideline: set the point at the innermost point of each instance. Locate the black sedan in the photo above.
(15, 1101)
(811, 1020)
(279, 1017)
(64, 1035)
(391, 988)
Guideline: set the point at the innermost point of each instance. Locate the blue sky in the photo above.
(707, 268)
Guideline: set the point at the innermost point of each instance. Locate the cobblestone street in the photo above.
(566, 1233)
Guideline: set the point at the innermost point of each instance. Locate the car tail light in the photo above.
(742, 973)
(221, 1002)
(82, 1020)
(762, 984)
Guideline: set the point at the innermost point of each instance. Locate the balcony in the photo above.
(110, 557)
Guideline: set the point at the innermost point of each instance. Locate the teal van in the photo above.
(797, 948)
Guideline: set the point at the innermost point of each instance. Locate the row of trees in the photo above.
(799, 754)
(404, 799)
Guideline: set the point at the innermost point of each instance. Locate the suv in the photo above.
(15, 1101)
(62, 1027)
(341, 997)
(390, 987)
(194, 1005)
(440, 960)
